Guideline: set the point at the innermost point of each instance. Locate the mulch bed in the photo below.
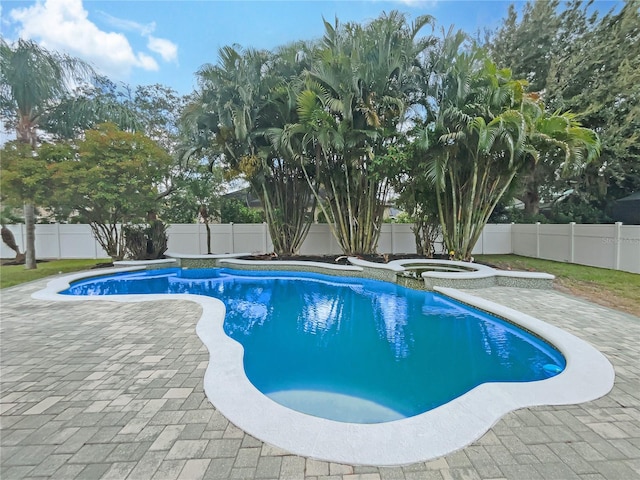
(338, 259)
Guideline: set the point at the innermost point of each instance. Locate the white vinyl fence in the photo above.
(614, 246)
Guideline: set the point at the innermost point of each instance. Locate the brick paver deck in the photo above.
(105, 390)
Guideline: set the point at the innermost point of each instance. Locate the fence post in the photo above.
(572, 242)
(59, 243)
(513, 234)
(264, 237)
(537, 239)
(95, 245)
(392, 235)
(233, 235)
(616, 244)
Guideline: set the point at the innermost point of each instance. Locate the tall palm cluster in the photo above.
(314, 126)
(305, 123)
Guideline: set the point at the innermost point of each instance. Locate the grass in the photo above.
(11, 275)
(612, 288)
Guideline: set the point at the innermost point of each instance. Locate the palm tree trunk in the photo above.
(531, 201)
(30, 224)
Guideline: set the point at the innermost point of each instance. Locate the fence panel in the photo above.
(555, 242)
(595, 245)
(402, 238)
(609, 246)
(249, 238)
(524, 240)
(396, 238)
(184, 238)
(495, 239)
(320, 240)
(629, 248)
(77, 241)
(222, 239)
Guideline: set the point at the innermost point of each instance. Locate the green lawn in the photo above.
(15, 274)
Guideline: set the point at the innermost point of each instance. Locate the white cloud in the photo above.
(147, 62)
(63, 25)
(129, 25)
(165, 48)
(418, 3)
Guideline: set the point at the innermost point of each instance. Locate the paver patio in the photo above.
(103, 390)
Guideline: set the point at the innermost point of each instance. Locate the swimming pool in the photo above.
(587, 375)
(352, 350)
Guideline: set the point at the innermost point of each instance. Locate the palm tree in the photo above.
(481, 129)
(356, 96)
(242, 99)
(563, 149)
(36, 92)
(477, 142)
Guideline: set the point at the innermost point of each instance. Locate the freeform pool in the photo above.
(352, 350)
(587, 375)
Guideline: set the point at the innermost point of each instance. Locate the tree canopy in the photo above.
(38, 92)
(338, 124)
(109, 178)
(585, 62)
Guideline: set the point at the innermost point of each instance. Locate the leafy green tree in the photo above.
(599, 78)
(233, 210)
(159, 109)
(197, 196)
(586, 63)
(562, 147)
(35, 92)
(416, 193)
(527, 45)
(111, 180)
(25, 177)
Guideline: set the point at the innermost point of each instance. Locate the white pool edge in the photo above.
(587, 376)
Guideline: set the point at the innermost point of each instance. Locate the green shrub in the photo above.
(145, 242)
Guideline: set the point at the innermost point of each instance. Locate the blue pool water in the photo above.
(348, 349)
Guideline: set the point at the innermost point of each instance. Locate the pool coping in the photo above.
(587, 376)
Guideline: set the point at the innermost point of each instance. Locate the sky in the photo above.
(146, 42)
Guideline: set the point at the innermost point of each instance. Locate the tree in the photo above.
(484, 130)
(416, 193)
(35, 92)
(527, 47)
(159, 109)
(356, 96)
(563, 149)
(597, 75)
(233, 210)
(25, 178)
(111, 179)
(241, 97)
(589, 64)
(474, 138)
(197, 196)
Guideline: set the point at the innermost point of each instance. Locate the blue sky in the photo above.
(147, 42)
